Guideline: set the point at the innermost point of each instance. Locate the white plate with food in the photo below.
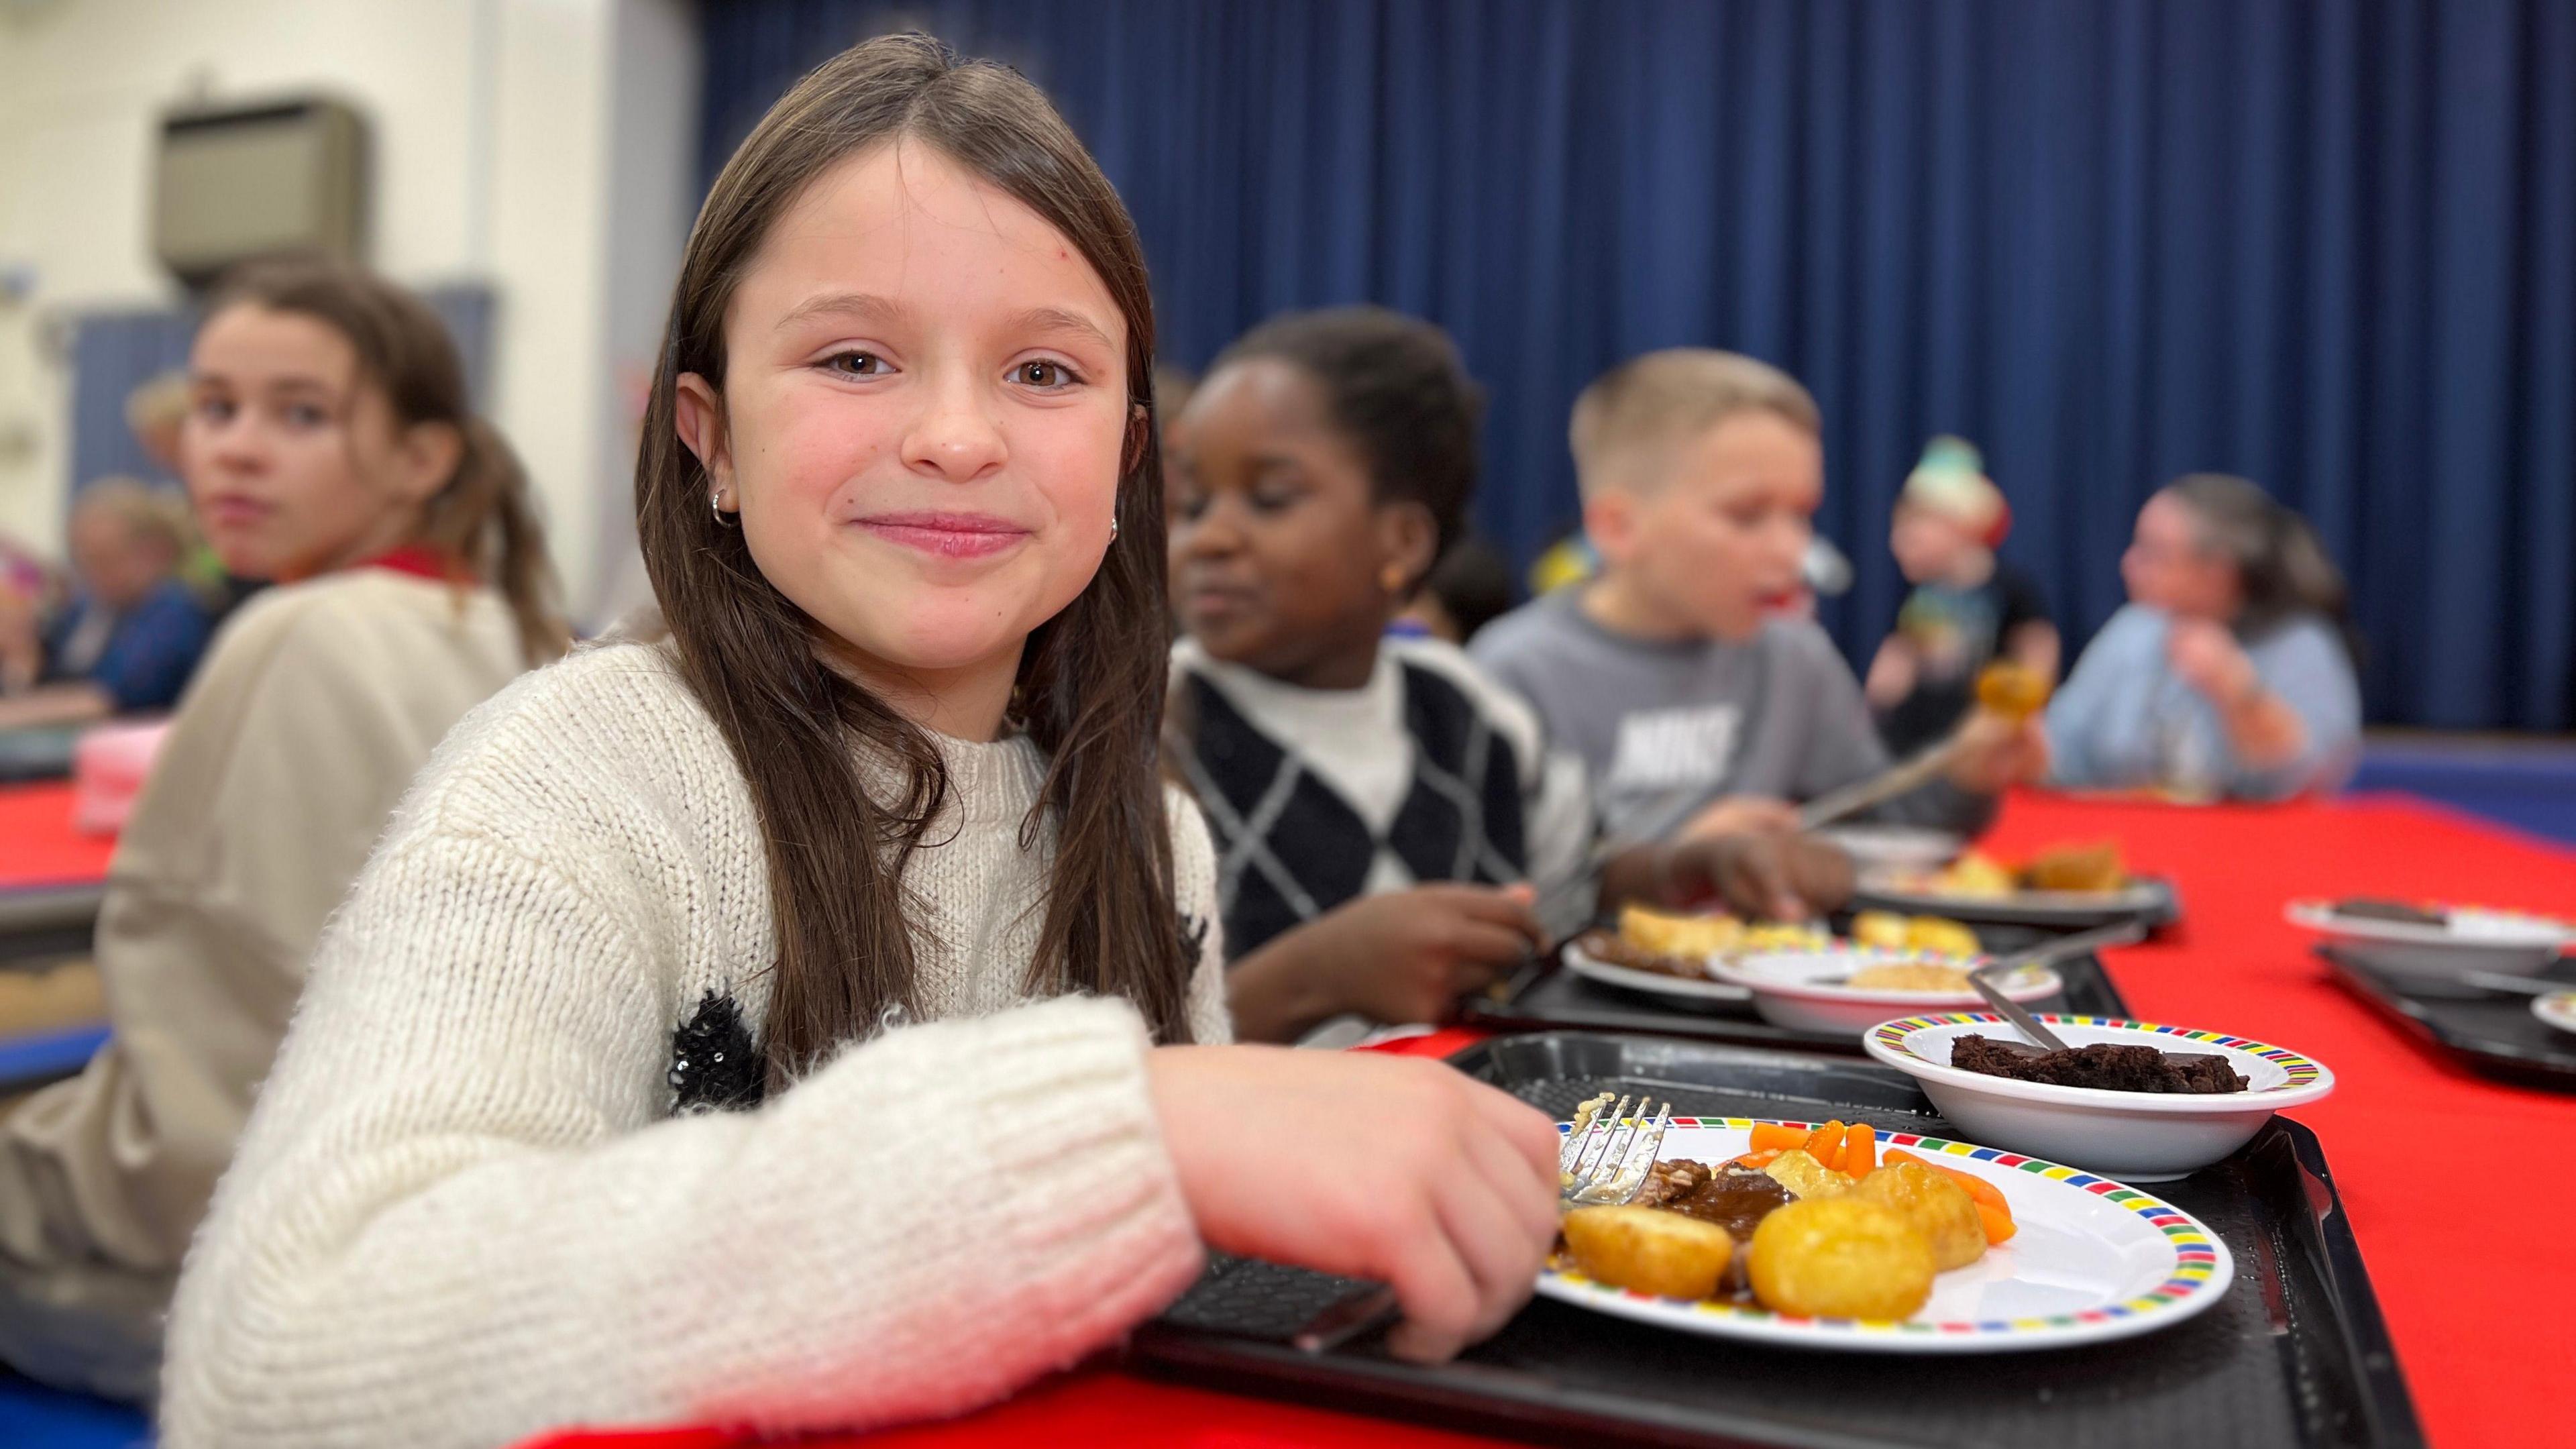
(2080, 1259)
(1667, 954)
(2182, 1121)
(2557, 1009)
(1665, 980)
(2063, 886)
(2430, 939)
(1897, 847)
(1849, 989)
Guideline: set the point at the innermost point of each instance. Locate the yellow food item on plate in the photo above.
(1840, 1257)
(2096, 867)
(1978, 875)
(1648, 1250)
(1805, 1177)
(1674, 935)
(1909, 976)
(1881, 930)
(1941, 937)
(1938, 1208)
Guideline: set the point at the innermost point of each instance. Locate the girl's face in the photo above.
(1281, 553)
(294, 461)
(922, 420)
(1720, 539)
(2169, 566)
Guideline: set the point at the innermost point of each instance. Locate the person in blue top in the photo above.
(2230, 672)
(130, 637)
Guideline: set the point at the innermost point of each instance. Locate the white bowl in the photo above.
(2141, 1136)
(2509, 943)
(2557, 1009)
(1895, 847)
(1788, 991)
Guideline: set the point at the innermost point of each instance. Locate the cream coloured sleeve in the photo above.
(458, 1217)
(1194, 891)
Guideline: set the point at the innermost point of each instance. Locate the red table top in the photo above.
(2457, 1187)
(37, 844)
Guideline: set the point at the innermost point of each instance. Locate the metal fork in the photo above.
(1606, 1163)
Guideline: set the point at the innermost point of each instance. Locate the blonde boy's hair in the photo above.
(157, 515)
(1632, 415)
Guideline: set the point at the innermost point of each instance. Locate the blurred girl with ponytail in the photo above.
(331, 450)
(2231, 671)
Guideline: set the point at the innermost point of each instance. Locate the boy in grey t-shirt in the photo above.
(1694, 708)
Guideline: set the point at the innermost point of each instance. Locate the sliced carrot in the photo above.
(1860, 1149)
(1777, 1136)
(1998, 1224)
(1757, 1160)
(1825, 1144)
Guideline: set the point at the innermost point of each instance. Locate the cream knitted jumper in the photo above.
(465, 1210)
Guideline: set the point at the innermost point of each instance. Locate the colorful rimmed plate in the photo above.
(2093, 1260)
(1708, 992)
(2139, 1136)
(2557, 1009)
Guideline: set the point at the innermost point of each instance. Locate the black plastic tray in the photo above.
(1547, 997)
(2493, 1033)
(2297, 1355)
(2162, 911)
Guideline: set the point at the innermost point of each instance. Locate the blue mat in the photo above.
(35, 1417)
(2529, 787)
(42, 1056)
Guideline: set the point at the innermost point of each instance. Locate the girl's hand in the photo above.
(1408, 955)
(1393, 1169)
(1740, 815)
(2208, 658)
(1768, 876)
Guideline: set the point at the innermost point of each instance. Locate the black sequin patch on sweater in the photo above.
(714, 1066)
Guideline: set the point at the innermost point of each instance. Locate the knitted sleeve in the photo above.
(458, 1216)
(1194, 884)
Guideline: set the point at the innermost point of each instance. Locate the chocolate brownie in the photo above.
(2102, 1065)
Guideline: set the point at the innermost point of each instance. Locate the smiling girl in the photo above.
(817, 1021)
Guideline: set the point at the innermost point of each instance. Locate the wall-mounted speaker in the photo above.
(243, 181)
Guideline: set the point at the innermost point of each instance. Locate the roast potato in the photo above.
(1938, 1208)
(1839, 1257)
(1799, 1171)
(1648, 1250)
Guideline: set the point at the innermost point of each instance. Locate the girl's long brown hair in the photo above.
(480, 519)
(1090, 681)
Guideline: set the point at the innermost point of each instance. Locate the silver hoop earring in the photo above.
(1113, 528)
(715, 505)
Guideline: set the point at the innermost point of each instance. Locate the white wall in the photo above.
(541, 147)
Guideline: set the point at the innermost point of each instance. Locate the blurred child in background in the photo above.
(1393, 828)
(128, 637)
(1968, 606)
(1695, 705)
(2230, 671)
(330, 448)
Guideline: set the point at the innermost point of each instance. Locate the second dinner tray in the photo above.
(1548, 996)
(2296, 1355)
(2493, 1033)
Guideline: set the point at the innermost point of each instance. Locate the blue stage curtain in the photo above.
(2328, 244)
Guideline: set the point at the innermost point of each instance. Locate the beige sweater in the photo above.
(308, 719)
(466, 1211)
